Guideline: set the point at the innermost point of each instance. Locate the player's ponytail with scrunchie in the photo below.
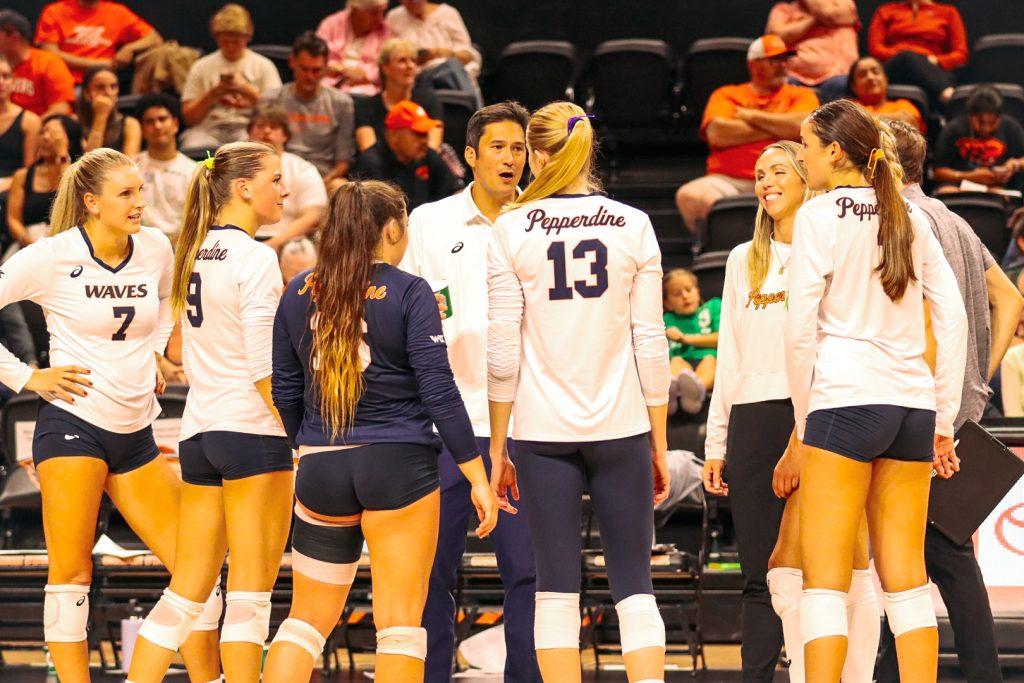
(85, 176)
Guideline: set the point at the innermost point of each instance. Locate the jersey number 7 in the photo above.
(128, 313)
(598, 268)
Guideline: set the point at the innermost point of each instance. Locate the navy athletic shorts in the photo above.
(873, 431)
(208, 458)
(60, 434)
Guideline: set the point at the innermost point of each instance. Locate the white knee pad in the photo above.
(640, 623)
(302, 634)
(556, 621)
(410, 641)
(170, 621)
(862, 590)
(910, 610)
(786, 586)
(246, 618)
(65, 612)
(209, 618)
(823, 614)
(334, 573)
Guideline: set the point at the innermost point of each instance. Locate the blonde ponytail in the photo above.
(85, 176)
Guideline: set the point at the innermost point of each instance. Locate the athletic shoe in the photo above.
(691, 392)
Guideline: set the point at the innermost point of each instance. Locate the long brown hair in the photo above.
(861, 138)
(208, 192)
(115, 122)
(358, 213)
(85, 176)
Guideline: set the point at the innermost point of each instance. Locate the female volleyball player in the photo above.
(361, 376)
(104, 283)
(590, 408)
(866, 406)
(235, 460)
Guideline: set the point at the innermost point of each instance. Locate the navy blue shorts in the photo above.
(208, 458)
(867, 432)
(60, 434)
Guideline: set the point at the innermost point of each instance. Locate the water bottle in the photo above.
(130, 632)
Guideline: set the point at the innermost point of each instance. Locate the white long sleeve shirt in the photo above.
(847, 343)
(751, 358)
(576, 338)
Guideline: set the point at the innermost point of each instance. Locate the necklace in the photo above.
(783, 266)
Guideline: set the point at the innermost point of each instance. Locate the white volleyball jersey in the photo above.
(110, 320)
(576, 337)
(227, 331)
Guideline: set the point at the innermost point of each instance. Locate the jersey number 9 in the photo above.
(598, 268)
(194, 299)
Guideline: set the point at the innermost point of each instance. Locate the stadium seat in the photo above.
(917, 97)
(709, 268)
(279, 55)
(126, 104)
(630, 82)
(458, 107)
(997, 58)
(729, 223)
(1013, 100)
(986, 214)
(19, 490)
(534, 72)
(711, 63)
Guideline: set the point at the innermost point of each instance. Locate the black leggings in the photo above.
(619, 476)
(915, 69)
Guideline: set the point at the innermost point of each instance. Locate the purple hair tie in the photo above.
(573, 120)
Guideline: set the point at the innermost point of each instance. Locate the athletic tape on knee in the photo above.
(640, 623)
(410, 641)
(333, 543)
(556, 621)
(786, 586)
(302, 634)
(65, 612)
(910, 610)
(822, 614)
(246, 618)
(170, 621)
(209, 618)
(326, 572)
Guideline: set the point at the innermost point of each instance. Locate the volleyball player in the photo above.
(361, 376)
(866, 406)
(576, 344)
(235, 460)
(104, 283)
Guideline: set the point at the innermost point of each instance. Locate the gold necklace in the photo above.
(783, 266)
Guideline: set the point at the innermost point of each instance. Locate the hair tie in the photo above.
(208, 161)
(874, 157)
(573, 120)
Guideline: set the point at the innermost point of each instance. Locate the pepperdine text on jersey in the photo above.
(560, 223)
(862, 210)
(214, 253)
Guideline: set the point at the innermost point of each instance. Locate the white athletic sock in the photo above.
(787, 589)
(865, 624)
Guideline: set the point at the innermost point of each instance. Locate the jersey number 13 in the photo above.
(585, 288)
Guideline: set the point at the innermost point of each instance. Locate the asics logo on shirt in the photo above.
(81, 601)
(116, 291)
(859, 209)
(77, 271)
(69, 437)
(457, 248)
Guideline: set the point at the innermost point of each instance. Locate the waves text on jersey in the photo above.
(557, 224)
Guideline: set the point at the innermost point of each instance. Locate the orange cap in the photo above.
(766, 47)
(408, 114)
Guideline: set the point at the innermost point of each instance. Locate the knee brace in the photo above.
(410, 641)
(170, 621)
(910, 610)
(786, 587)
(246, 618)
(65, 612)
(640, 623)
(302, 634)
(556, 621)
(209, 618)
(822, 614)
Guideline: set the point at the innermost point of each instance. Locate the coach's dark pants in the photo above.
(511, 541)
(954, 569)
(758, 434)
(915, 69)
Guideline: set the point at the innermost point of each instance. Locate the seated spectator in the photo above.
(739, 121)
(869, 87)
(920, 42)
(222, 88)
(354, 37)
(102, 124)
(398, 83)
(20, 130)
(404, 157)
(823, 34)
(89, 33)
(42, 83)
(307, 197)
(166, 172)
(1012, 262)
(17, 338)
(691, 325)
(446, 54)
(321, 118)
(982, 146)
(33, 189)
(296, 256)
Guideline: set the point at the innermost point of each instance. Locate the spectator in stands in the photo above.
(222, 88)
(102, 124)
(296, 256)
(446, 54)
(823, 34)
(88, 33)
(1013, 261)
(166, 172)
(34, 188)
(691, 325)
(42, 83)
(404, 157)
(20, 130)
(982, 146)
(398, 83)
(920, 42)
(869, 87)
(321, 118)
(354, 37)
(307, 196)
(739, 121)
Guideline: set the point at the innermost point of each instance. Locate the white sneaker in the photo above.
(691, 392)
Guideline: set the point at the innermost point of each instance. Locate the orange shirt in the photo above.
(936, 30)
(890, 107)
(41, 81)
(738, 161)
(94, 32)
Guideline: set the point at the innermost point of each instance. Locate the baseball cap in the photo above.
(408, 114)
(9, 19)
(766, 47)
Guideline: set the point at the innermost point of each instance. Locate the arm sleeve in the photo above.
(287, 383)
(504, 320)
(719, 106)
(165, 318)
(650, 345)
(428, 356)
(47, 28)
(957, 54)
(727, 371)
(18, 336)
(411, 260)
(269, 76)
(877, 38)
(345, 145)
(133, 28)
(259, 289)
(24, 276)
